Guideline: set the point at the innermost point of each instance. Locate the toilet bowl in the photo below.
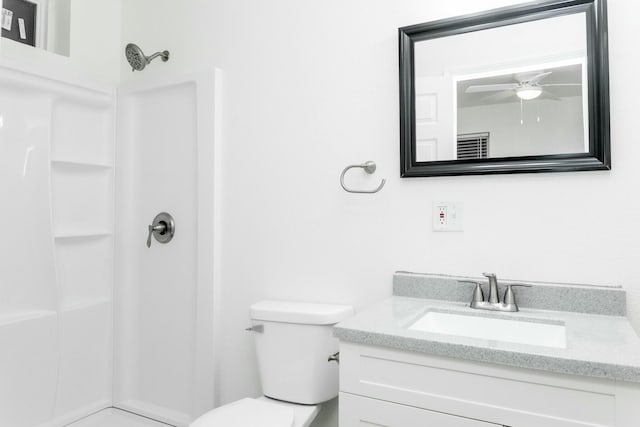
(263, 412)
(294, 342)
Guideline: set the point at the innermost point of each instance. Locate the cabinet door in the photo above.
(358, 411)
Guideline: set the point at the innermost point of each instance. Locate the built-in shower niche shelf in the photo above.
(82, 131)
(84, 265)
(81, 303)
(24, 315)
(82, 198)
(82, 235)
(79, 164)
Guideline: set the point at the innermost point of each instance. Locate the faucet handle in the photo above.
(478, 295)
(509, 296)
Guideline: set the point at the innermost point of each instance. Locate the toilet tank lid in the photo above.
(300, 312)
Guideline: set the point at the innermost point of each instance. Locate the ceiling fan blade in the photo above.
(539, 77)
(491, 88)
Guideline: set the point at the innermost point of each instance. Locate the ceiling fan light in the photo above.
(528, 93)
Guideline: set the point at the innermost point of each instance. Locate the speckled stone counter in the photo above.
(546, 296)
(600, 340)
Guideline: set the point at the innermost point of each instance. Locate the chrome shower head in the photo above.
(137, 58)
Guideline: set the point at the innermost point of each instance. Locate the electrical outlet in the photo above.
(448, 216)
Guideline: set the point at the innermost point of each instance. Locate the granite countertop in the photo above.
(599, 342)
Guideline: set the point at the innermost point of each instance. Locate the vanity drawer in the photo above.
(358, 411)
(503, 395)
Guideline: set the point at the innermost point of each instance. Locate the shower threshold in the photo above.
(112, 417)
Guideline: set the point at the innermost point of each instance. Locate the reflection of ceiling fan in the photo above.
(527, 86)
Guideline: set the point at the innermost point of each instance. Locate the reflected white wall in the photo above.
(536, 127)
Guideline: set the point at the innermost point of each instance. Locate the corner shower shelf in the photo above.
(82, 235)
(23, 315)
(80, 303)
(79, 164)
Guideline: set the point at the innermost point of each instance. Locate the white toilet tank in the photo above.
(293, 343)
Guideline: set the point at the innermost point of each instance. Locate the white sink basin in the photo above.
(521, 331)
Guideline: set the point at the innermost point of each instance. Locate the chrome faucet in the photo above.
(494, 298)
(493, 302)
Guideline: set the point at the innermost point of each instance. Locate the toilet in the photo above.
(294, 342)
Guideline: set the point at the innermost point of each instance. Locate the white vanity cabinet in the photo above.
(363, 411)
(380, 386)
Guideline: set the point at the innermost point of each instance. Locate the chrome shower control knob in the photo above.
(162, 228)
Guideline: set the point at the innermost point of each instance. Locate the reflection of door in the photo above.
(19, 21)
(434, 119)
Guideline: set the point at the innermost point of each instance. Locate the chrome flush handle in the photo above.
(335, 357)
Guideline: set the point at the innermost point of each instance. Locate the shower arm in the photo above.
(164, 55)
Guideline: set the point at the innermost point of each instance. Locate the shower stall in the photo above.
(96, 328)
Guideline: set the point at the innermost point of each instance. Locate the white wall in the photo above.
(59, 27)
(310, 87)
(95, 37)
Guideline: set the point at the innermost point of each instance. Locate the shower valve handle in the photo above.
(162, 228)
(159, 228)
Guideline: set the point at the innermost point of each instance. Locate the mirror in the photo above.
(43, 24)
(517, 89)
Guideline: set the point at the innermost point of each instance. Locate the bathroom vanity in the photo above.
(568, 358)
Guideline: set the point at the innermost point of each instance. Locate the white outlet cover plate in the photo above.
(448, 216)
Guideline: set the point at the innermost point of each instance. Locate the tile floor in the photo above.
(116, 418)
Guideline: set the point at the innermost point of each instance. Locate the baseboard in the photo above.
(155, 412)
(78, 414)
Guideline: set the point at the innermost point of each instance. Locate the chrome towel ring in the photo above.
(369, 167)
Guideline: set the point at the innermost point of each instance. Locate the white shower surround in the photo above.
(57, 280)
(164, 365)
(57, 312)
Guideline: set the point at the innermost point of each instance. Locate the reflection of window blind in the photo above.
(473, 146)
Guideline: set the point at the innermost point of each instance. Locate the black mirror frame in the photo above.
(599, 155)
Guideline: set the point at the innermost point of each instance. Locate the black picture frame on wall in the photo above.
(27, 11)
(599, 155)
